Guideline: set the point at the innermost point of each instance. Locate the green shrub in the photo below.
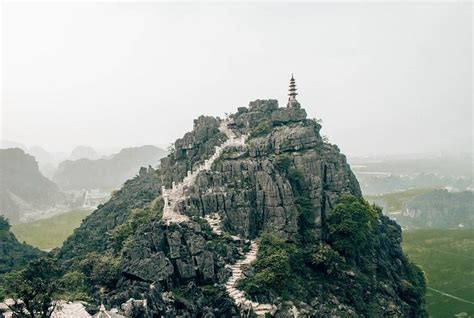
(277, 262)
(262, 129)
(75, 286)
(325, 258)
(4, 224)
(350, 224)
(103, 270)
(413, 290)
(37, 288)
(282, 164)
(137, 218)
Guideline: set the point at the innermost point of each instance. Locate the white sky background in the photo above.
(384, 78)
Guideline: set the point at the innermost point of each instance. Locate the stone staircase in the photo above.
(214, 221)
(176, 193)
(171, 215)
(239, 296)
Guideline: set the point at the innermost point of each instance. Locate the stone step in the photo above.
(236, 292)
(260, 313)
(263, 307)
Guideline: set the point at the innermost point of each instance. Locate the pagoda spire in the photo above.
(292, 102)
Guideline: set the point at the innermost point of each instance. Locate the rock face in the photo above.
(178, 258)
(284, 180)
(251, 192)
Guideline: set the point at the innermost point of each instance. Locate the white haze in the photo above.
(384, 78)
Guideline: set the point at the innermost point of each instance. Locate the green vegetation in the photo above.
(13, 254)
(39, 286)
(447, 258)
(351, 223)
(278, 261)
(428, 208)
(345, 264)
(262, 129)
(395, 201)
(283, 163)
(103, 271)
(51, 232)
(138, 217)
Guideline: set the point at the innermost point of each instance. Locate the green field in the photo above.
(395, 200)
(447, 258)
(51, 232)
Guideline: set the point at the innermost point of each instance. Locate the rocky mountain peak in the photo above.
(253, 187)
(258, 186)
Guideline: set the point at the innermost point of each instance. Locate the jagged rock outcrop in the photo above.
(173, 259)
(254, 195)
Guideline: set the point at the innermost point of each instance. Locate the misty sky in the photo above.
(384, 78)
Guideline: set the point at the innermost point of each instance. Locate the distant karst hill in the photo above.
(83, 152)
(107, 173)
(22, 186)
(429, 208)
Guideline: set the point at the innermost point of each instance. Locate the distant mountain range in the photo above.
(22, 186)
(25, 192)
(106, 173)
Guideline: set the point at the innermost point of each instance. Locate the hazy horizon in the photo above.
(384, 78)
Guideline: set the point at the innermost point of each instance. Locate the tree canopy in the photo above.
(35, 289)
(351, 223)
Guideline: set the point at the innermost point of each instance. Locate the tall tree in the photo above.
(35, 289)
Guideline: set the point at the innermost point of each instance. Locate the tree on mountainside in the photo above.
(13, 254)
(36, 289)
(351, 223)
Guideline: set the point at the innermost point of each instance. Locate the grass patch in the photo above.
(447, 258)
(51, 232)
(262, 129)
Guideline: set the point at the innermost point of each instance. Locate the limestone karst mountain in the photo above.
(83, 152)
(6, 144)
(237, 221)
(106, 173)
(23, 189)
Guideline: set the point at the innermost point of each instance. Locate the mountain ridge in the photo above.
(105, 173)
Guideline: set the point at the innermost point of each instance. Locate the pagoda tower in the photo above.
(292, 102)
